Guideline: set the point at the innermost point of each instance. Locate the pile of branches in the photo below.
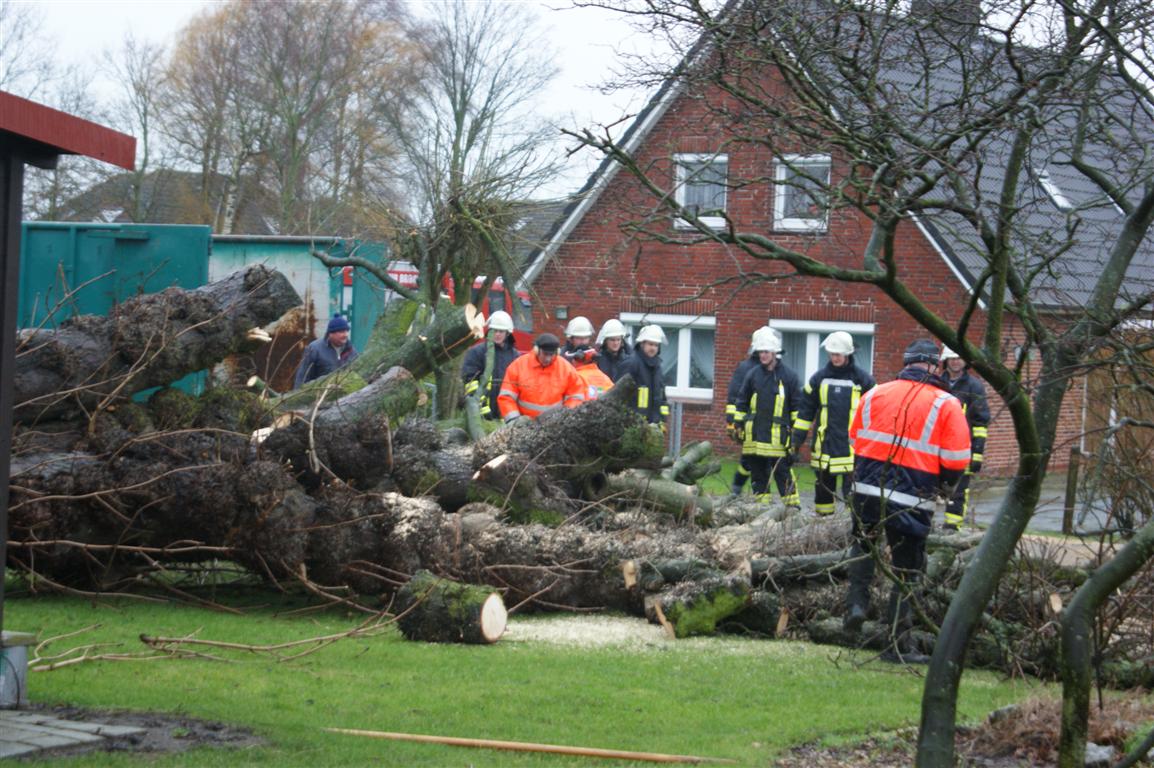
(344, 489)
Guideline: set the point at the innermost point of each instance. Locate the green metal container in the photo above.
(69, 269)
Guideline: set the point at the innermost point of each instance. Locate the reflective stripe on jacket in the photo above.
(831, 398)
(530, 389)
(767, 405)
(909, 435)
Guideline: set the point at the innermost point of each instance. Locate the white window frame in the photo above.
(682, 177)
(815, 330)
(781, 168)
(685, 324)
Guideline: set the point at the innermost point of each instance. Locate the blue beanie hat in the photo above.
(338, 323)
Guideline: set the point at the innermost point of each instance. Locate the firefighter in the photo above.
(831, 397)
(972, 395)
(767, 404)
(612, 348)
(539, 382)
(741, 475)
(645, 368)
(579, 352)
(504, 352)
(327, 354)
(911, 446)
(578, 333)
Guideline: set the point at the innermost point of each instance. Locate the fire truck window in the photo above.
(496, 301)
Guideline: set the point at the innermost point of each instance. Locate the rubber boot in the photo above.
(899, 619)
(861, 575)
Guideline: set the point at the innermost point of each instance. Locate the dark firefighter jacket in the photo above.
(830, 399)
(474, 367)
(612, 364)
(972, 394)
(766, 406)
(321, 359)
(646, 371)
(911, 443)
(739, 374)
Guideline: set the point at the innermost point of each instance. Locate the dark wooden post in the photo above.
(1071, 491)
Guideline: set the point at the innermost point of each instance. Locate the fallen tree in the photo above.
(351, 493)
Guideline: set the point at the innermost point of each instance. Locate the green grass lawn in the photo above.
(741, 699)
(717, 484)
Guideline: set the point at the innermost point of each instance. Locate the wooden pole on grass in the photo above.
(526, 746)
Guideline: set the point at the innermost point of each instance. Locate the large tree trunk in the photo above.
(148, 341)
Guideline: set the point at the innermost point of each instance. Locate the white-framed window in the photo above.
(701, 187)
(801, 344)
(800, 197)
(688, 359)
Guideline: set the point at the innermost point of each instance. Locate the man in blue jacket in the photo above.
(327, 354)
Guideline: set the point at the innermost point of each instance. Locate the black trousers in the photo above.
(825, 490)
(760, 469)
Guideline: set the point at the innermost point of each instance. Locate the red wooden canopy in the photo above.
(60, 133)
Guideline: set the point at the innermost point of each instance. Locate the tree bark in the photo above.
(1078, 642)
(148, 341)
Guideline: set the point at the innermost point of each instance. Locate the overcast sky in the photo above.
(586, 39)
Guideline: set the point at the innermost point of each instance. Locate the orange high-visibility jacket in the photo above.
(908, 436)
(596, 382)
(530, 389)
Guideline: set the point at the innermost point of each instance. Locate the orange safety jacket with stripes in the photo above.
(530, 389)
(596, 382)
(911, 441)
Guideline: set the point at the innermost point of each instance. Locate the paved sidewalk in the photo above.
(986, 495)
(23, 732)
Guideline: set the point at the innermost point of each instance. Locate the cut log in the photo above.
(683, 502)
(695, 608)
(90, 362)
(827, 565)
(692, 456)
(438, 610)
(761, 618)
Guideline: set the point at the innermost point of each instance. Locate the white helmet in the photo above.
(500, 321)
(947, 353)
(611, 330)
(838, 343)
(651, 333)
(765, 339)
(579, 326)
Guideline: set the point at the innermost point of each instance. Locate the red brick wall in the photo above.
(614, 262)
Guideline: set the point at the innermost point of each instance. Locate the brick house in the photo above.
(597, 264)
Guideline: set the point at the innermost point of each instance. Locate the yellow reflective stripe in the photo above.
(802, 424)
(730, 409)
(472, 386)
(643, 397)
(775, 435)
(854, 399)
(739, 415)
(823, 509)
(664, 410)
(980, 432)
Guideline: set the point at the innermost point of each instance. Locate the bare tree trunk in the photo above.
(1078, 641)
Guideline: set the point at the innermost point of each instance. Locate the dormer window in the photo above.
(1055, 193)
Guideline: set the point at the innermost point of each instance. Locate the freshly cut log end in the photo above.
(438, 610)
